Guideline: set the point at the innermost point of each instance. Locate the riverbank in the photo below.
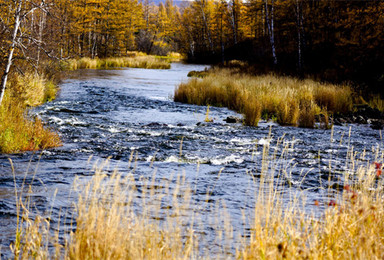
(134, 60)
(18, 131)
(286, 100)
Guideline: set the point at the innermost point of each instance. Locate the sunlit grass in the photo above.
(290, 101)
(122, 217)
(19, 132)
(377, 102)
(108, 226)
(172, 57)
(350, 227)
(132, 61)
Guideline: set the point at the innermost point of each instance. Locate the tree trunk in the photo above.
(221, 38)
(299, 21)
(206, 26)
(273, 35)
(234, 21)
(271, 30)
(11, 50)
(41, 29)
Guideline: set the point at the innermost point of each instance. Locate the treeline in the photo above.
(330, 39)
(63, 29)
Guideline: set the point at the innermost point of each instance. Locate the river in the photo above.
(117, 113)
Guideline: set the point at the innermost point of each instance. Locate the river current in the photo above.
(131, 112)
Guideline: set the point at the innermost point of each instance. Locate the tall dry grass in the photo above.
(376, 102)
(18, 131)
(133, 61)
(117, 217)
(350, 227)
(122, 218)
(31, 89)
(346, 222)
(291, 101)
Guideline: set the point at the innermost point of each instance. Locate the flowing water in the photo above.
(120, 113)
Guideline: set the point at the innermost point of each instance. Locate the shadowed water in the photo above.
(130, 112)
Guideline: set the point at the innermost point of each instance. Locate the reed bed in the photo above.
(132, 61)
(18, 131)
(347, 224)
(289, 101)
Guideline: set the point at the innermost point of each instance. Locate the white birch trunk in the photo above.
(271, 31)
(299, 40)
(234, 22)
(206, 26)
(11, 50)
(273, 35)
(41, 29)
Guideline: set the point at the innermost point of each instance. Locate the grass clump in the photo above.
(350, 226)
(31, 89)
(132, 61)
(377, 102)
(105, 210)
(291, 101)
(198, 74)
(172, 57)
(108, 226)
(18, 131)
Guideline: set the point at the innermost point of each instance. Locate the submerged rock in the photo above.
(156, 124)
(377, 124)
(233, 119)
(363, 114)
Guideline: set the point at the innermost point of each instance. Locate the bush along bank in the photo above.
(18, 131)
(135, 60)
(288, 101)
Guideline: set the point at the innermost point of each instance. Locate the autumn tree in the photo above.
(18, 34)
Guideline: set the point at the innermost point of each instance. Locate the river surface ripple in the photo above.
(112, 113)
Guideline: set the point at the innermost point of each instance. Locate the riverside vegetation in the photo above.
(19, 132)
(290, 101)
(109, 227)
(135, 60)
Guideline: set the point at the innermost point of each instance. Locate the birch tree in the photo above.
(4, 78)
(22, 8)
(269, 16)
(299, 25)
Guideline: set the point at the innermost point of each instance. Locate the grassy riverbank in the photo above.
(289, 101)
(19, 132)
(348, 223)
(134, 60)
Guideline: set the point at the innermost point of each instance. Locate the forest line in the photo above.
(328, 39)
